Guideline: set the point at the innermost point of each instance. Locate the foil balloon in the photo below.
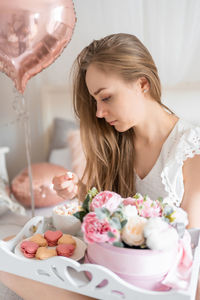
(33, 33)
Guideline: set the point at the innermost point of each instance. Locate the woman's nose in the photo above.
(100, 113)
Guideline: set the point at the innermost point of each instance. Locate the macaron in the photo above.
(66, 250)
(44, 253)
(39, 239)
(67, 239)
(52, 237)
(29, 248)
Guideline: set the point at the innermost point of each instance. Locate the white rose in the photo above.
(130, 211)
(133, 231)
(160, 235)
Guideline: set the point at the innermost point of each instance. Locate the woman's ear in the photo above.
(143, 84)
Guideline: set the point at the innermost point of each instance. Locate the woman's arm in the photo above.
(191, 197)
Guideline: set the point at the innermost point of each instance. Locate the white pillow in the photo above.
(61, 157)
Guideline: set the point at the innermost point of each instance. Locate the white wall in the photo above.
(184, 101)
(91, 24)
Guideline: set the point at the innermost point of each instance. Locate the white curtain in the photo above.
(170, 29)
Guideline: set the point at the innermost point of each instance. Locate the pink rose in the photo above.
(150, 208)
(96, 231)
(132, 200)
(146, 207)
(129, 201)
(107, 199)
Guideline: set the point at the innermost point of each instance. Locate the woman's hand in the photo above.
(66, 185)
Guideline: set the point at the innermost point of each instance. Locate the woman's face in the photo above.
(121, 104)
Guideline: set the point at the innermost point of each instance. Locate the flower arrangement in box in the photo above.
(136, 238)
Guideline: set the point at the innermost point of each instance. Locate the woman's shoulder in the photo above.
(184, 143)
(187, 140)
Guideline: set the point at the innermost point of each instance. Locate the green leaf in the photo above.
(100, 213)
(120, 206)
(105, 211)
(93, 192)
(145, 197)
(160, 199)
(86, 203)
(80, 215)
(88, 199)
(115, 222)
(118, 244)
(136, 196)
(123, 223)
(110, 234)
(118, 214)
(143, 246)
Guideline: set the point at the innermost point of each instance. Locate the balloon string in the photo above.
(21, 108)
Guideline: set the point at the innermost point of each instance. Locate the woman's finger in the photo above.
(59, 179)
(65, 195)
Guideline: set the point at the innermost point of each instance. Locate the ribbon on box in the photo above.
(179, 275)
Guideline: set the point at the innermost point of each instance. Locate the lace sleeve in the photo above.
(187, 145)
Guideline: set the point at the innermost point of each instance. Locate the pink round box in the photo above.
(143, 268)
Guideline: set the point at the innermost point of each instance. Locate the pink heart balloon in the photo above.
(33, 33)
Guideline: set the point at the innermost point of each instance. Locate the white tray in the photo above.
(68, 274)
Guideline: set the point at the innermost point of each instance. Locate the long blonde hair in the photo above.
(109, 153)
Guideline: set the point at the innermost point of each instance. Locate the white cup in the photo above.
(66, 223)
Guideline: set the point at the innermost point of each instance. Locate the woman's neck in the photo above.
(156, 125)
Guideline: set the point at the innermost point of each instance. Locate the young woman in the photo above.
(132, 142)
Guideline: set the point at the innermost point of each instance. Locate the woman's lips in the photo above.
(113, 122)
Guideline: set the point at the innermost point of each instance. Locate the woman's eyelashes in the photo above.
(101, 99)
(106, 98)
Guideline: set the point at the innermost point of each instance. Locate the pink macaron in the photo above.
(65, 250)
(52, 237)
(29, 248)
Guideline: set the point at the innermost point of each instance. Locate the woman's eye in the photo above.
(106, 98)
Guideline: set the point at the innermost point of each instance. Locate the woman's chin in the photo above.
(122, 128)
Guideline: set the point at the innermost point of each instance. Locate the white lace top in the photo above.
(166, 178)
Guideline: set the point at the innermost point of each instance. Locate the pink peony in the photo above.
(96, 231)
(107, 199)
(129, 201)
(150, 208)
(146, 207)
(132, 200)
